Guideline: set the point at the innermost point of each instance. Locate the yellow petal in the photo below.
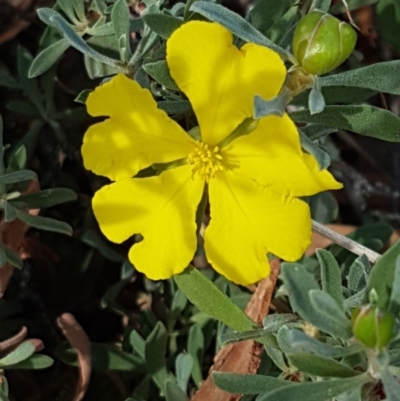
(247, 221)
(272, 156)
(162, 209)
(219, 79)
(137, 134)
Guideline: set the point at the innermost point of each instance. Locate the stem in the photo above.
(345, 242)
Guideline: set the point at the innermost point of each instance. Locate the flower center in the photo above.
(206, 161)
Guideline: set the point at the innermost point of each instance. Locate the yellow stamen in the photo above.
(206, 162)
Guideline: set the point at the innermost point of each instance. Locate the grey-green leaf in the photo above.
(160, 72)
(34, 362)
(183, 369)
(236, 383)
(44, 223)
(315, 391)
(331, 278)
(173, 392)
(236, 24)
(47, 57)
(46, 198)
(381, 77)
(382, 275)
(163, 24)
(210, 300)
(321, 156)
(22, 352)
(17, 176)
(320, 366)
(365, 120)
(329, 317)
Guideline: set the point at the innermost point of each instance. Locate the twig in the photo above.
(345, 242)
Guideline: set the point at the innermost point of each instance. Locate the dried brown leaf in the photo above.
(242, 357)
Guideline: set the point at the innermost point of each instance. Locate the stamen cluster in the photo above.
(206, 161)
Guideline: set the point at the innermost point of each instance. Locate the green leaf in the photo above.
(236, 24)
(382, 275)
(12, 257)
(44, 223)
(390, 385)
(138, 343)
(47, 57)
(365, 120)
(317, 131)
(104, 357)
(339, 8)
(321, 156)
(358, 272)
(394, 303)
(265, 12)
(29, 86)
(179, 303)
(95, 241)
(331, 277)
(183, 370)
(388, 13)
(320, 366)
(379, 77)
(156, 345)
(302, 342)
(82, 97)
(160, 72)
(323, 206)
(299, 282)
(3, 396)
(322, 5)
(57, 21)
(315, 391)
(149, 39)
(17, 159)
(173, 392)
(35, 361)
(328, 316)
(162, 24)
(22, 352)
(236, 383)
(7, 81)
(120, 19)
(316, 100)
(175, 106)
(195, 348)
(17, 176)
(46, 198)
(206, 296)
(79, 8)
(10, 213)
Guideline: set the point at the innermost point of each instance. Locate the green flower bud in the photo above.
(372, 326)
(321, 42)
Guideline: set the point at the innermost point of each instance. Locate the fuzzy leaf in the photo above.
(162, 24)
(365, 120)
(236, 24)
(314, 391)
(381, 277)
(160, 72)
(48, 57)
(380, 77)
(237, 383)
(206, 296)
(320, 366)
(331, 278)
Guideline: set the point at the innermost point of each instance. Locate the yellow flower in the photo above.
(253, 182)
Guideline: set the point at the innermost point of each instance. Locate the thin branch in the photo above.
(345, 242)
